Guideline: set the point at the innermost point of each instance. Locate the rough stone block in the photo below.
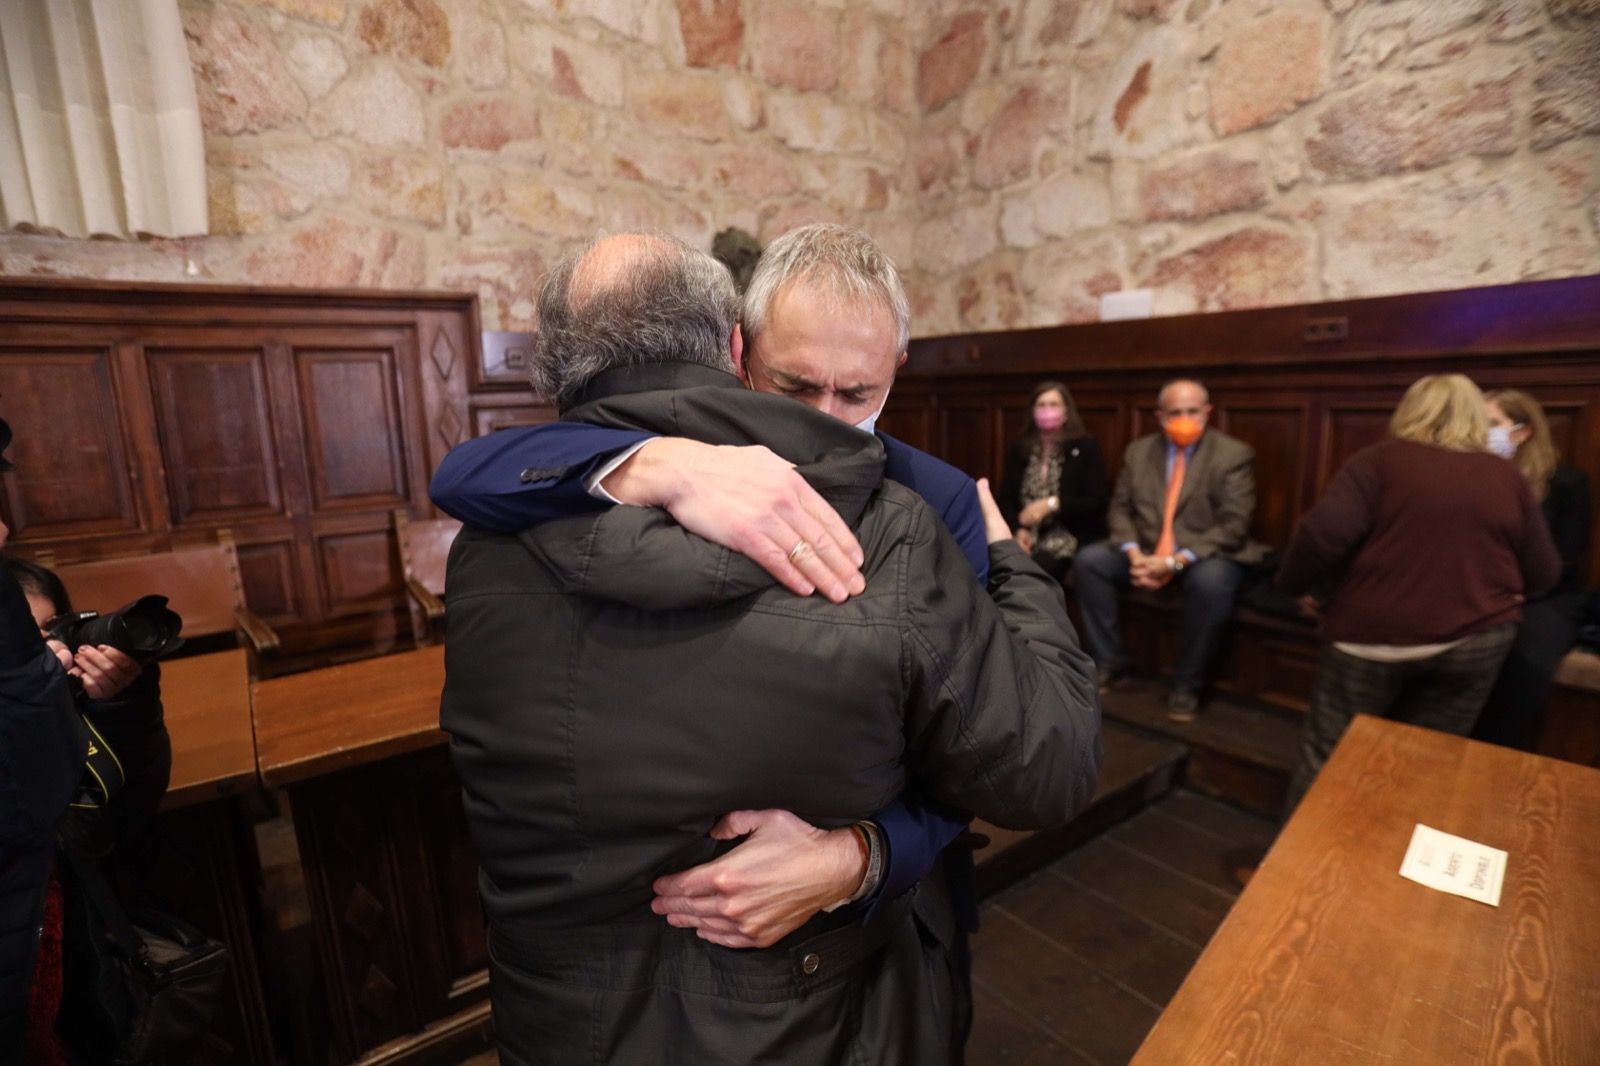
(989, 297)
(490, 124)
(317, 61)
(1389, 126)
(506, 279)
(1566, 100)
(411, 29)
(408, 188)
(813, 124)
(1250, 267)
(683, 103)
(956, 238)
(241, 79)
(1013, 136)
(951, 63)
(712, 30)
(1211, 182)
(795, 45)
(1267, 68)
(375, 105)
(1065, 279)
(1444, 231)
(480, 51)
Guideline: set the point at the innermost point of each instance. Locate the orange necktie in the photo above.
(1165, 544)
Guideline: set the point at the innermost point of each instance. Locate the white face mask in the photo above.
(1500, 442)
(870, 423)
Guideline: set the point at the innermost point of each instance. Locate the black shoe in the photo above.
(1109, 677)
(1183, 705)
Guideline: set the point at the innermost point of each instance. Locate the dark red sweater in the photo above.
(1425, 545)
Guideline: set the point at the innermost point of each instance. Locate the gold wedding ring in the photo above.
(798, 552)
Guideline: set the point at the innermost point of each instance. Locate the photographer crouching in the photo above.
(96, 713)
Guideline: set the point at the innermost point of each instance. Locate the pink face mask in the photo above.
(1049, 419)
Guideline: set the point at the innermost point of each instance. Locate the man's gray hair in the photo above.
(843, 260)
(664, 303)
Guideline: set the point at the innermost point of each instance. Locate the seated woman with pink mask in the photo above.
(1054, 490)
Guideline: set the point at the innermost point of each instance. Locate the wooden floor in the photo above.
(1074, 964)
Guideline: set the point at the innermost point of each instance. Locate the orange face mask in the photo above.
(1184, 430)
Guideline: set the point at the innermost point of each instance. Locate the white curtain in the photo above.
(99, 129)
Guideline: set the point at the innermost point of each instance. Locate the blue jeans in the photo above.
(1209, 588)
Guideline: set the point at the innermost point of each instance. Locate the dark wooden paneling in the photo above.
(355, 441)
(360, 571)
(906, 417)
(1346, 429)
(1279, 434)
(73, 476)
(271, 580)
(150, 417)
(383, 849)
(489, 418)
(216, 434)
(965, 432)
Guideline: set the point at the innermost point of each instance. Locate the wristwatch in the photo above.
(1176, 563)
(1054, 502)
(874, 874)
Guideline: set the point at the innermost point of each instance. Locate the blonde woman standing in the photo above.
(1435, 544)
(1518, 432)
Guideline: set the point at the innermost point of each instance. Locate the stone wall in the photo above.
(1019, 157)
(465, 144)
(1245, 153)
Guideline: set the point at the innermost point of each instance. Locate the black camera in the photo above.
(144, 630)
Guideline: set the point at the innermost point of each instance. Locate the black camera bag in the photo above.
(158, 979)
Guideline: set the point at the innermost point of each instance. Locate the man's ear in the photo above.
(736, 351)
(900, 362)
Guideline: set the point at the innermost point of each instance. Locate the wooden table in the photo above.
(389, 869)
(1330, 956)
(207, 709)
(324, 720)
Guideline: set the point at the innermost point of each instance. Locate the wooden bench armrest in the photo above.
(262, 637)
(431, 605)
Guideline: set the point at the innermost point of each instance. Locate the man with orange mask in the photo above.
(1180, 515)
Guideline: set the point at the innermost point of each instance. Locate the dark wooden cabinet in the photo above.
(149, 417)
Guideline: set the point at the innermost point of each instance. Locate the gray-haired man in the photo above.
(673, 682)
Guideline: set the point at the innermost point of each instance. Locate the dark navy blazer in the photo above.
(517, 478)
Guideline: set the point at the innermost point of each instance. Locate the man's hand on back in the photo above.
(767, 887)
(994, 523)
(750, 501)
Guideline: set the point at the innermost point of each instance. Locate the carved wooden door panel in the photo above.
(76, 474)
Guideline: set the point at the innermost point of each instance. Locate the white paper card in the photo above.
(1130, 303)
(1454, 864)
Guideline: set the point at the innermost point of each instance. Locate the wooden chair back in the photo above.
(424, 550)
(201, 583)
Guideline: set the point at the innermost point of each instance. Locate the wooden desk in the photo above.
(388, 865)
(202, 865)
(324, 720)
(207, 708)
(1331, 956)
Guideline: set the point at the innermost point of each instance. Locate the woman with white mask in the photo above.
(1519, 432)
